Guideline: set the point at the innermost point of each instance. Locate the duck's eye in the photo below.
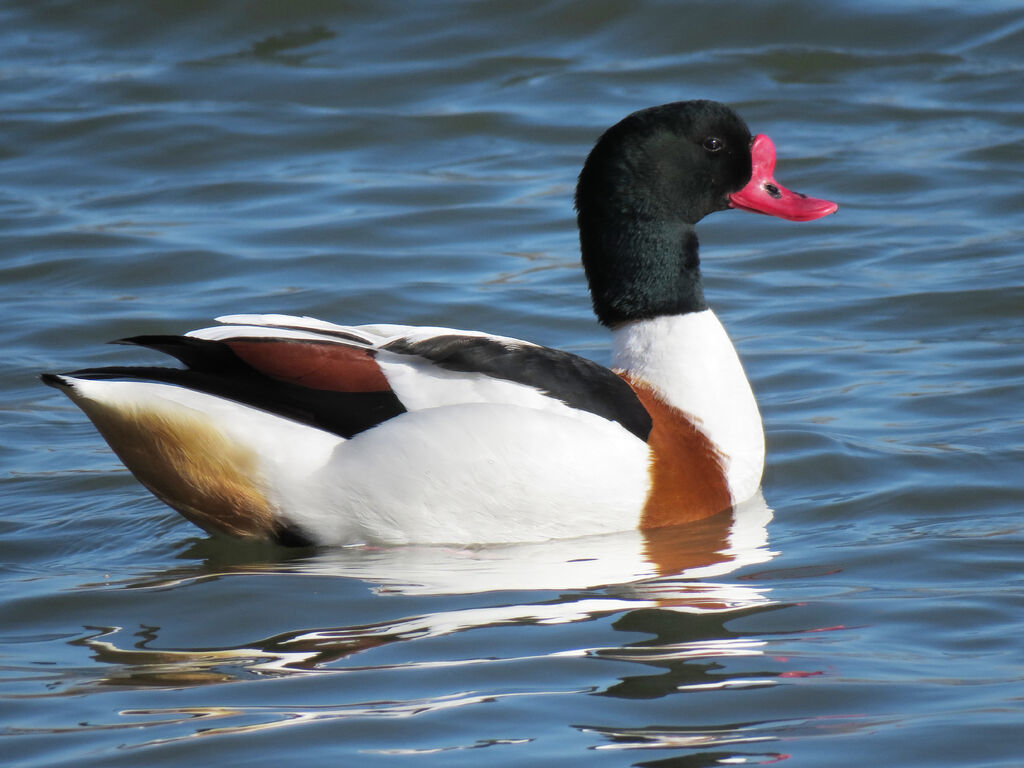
(713, 144)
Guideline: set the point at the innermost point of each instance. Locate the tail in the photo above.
(191, 449)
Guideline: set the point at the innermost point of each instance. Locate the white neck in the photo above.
(690, 361)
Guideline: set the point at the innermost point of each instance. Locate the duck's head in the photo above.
(649, 179)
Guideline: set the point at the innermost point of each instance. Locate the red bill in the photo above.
(765, 195)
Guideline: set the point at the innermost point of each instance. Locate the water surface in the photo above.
(164, 163)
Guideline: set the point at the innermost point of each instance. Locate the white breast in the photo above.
(691, 362)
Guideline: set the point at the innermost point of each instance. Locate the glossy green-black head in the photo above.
(678, 161)
(649, 179)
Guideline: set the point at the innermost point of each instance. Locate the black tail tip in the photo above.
(53, 380)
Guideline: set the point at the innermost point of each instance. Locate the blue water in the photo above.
(163, 163)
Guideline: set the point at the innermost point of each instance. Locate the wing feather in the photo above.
(346, 379)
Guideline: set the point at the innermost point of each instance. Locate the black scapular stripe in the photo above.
(576, 381)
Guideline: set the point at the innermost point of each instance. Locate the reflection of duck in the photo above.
(301, 431)
(572, 580)
(661, 565)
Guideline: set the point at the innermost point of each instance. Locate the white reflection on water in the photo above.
(637, 563)
(628, 577)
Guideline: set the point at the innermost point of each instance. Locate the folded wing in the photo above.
(347, 379)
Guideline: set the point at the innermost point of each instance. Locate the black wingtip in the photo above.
(53, 380)
(192, 352)
(149, 340)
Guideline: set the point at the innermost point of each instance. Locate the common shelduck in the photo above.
(304, 432)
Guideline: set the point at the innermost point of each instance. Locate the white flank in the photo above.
(464, 474)
(480, 472)
(691, 362)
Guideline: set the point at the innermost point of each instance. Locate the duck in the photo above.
(303, 432)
